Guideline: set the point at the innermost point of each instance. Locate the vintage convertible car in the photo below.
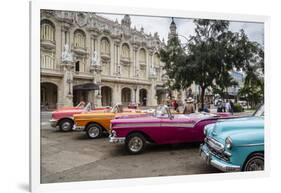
(63, 118)
(162, 127)
(95, 124)
(235, 144)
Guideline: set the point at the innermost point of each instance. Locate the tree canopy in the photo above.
(210, 55)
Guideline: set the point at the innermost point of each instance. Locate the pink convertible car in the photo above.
(161, 128)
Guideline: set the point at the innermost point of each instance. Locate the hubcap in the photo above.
(255, 165)
(66, 126)
(93, 132)
(135, 144)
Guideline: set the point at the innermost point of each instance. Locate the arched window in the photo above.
(47, 30)
(48, 60)
(125, 51)
(79, 39)
(142, 56)
(105, 46)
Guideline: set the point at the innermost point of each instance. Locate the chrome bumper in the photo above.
(210, 159)
(120, 140)
(78, 128)
(114, 139)
(53, 123)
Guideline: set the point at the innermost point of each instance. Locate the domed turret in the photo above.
(173, 29)
(126, 21)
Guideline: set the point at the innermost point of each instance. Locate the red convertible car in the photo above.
(161, 128)
(63, 118)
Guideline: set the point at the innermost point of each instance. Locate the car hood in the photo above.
(233, 127)
(88, 115)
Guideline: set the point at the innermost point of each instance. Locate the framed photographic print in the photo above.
(145, 96)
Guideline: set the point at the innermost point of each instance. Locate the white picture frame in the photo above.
(35, 7)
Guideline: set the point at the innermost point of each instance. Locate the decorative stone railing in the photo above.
(79, 50)
(48, 44)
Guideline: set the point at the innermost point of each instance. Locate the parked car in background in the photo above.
(162, 127)
(132, 105)
(235, 144)
(63, 118)
(95, 124)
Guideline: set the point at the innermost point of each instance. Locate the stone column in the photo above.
(153, 97)
(138, 95)
(60, 103)
(116, 95)
(132, 95)
(68, 84)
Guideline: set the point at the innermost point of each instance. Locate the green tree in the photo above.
(211, 54)
(250, 58)
(173, 55)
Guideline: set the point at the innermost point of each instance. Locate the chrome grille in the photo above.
(214, 145)
(216, 148)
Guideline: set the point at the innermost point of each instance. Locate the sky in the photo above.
(185, 27)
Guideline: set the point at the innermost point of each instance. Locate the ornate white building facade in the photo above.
(80, 50)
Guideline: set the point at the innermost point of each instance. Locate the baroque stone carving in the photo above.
(81, 19)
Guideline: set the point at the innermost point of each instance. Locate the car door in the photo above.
(175, 130)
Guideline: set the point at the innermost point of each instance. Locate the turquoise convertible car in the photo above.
(235, 144)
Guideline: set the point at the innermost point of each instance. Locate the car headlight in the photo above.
(113, 133)
(228, 142)
(205, 130)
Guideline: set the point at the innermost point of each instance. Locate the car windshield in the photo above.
(118, 108)
(162, 111)
(88, 107)
(81, 105)
(259, 112)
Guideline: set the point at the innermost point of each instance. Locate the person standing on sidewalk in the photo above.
(189, 106)
(228, 107)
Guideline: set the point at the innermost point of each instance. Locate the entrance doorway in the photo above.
(143, 97)
(79, 95)
(126, 96)
(49, 96)
(106, 94)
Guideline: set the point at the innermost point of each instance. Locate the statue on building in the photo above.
(152, 71)
(66, 54)
(95, 59)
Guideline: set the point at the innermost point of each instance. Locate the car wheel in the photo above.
(66, 125)
(255, 162)
(135, 143)
(94, 131)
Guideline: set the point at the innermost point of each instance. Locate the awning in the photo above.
(86, 87)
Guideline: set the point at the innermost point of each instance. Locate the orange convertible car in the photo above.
(95, 124)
